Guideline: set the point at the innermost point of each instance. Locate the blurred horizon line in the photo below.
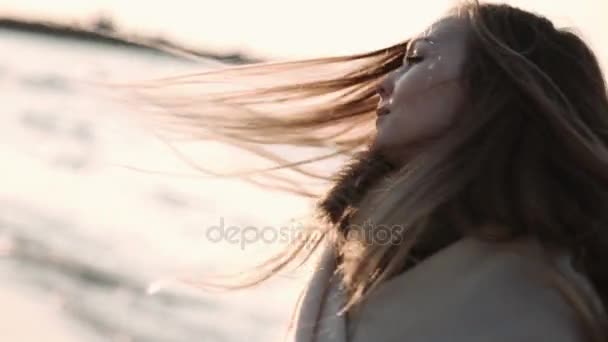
(104, 30)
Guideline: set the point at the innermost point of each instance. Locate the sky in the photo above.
(290, 28)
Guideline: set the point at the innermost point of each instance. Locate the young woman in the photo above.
(475, 207)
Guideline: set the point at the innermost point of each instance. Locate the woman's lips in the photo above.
(382, 111)
(384, 107)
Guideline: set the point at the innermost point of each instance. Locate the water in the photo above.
(87, 247)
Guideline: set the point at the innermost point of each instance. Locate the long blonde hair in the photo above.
(325, 104)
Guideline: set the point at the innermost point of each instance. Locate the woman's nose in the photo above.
(386, 87)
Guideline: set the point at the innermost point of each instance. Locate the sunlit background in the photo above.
(278, 28)
(89, 247)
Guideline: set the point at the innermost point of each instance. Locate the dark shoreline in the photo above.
(106, 35)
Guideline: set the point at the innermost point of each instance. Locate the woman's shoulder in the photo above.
(477, 291)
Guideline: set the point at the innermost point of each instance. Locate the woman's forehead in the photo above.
(445, 29)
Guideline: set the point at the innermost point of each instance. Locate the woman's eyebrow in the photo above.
(426, 39)
(411, 44)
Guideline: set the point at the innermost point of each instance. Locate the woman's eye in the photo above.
(412, 59)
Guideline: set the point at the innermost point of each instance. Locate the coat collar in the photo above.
(395, 309)
(318, 318)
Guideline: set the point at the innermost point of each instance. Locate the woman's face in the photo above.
(422, 97)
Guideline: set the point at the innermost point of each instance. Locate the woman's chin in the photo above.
(382, 147)
(380, 119)
(397, 153)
